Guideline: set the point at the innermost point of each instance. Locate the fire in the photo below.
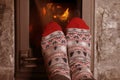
(44, 11)
(50, 9)
(65, 15)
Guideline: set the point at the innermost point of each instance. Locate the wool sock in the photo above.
(55, 53)
(79, 49)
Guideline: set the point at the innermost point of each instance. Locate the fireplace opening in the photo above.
(45, 11)
(31, 18)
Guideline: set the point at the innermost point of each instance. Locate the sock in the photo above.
(55, 52)
(79, 50)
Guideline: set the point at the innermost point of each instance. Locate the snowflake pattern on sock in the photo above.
(79, 53)
(55, 54)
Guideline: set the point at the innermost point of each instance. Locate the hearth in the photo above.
(31, 17)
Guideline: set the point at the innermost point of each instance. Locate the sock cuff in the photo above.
(51, 27)
(77, 23)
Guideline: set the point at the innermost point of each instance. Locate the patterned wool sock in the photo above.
(79, 50)
(55, 52)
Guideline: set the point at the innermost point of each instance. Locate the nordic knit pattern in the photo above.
(55, 55)
(79, 50)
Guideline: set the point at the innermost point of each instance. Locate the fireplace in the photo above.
(31, 17)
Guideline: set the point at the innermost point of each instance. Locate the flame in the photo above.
(44, 11)
(65, 15)
(50, 8)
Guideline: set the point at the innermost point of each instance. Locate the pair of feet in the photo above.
(67, 57)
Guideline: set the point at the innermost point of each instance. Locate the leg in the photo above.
(79, 50)
(55, 52)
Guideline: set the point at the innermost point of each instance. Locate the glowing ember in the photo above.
(59, 6)
(54, 16)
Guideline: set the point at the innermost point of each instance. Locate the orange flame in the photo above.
(65, 15)
(44, 11)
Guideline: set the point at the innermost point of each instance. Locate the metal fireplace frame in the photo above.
(22, 32)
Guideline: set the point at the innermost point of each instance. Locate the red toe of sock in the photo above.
(77, 23)
(51, 27)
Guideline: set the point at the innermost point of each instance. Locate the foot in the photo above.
(79, 49)
(55, 52)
